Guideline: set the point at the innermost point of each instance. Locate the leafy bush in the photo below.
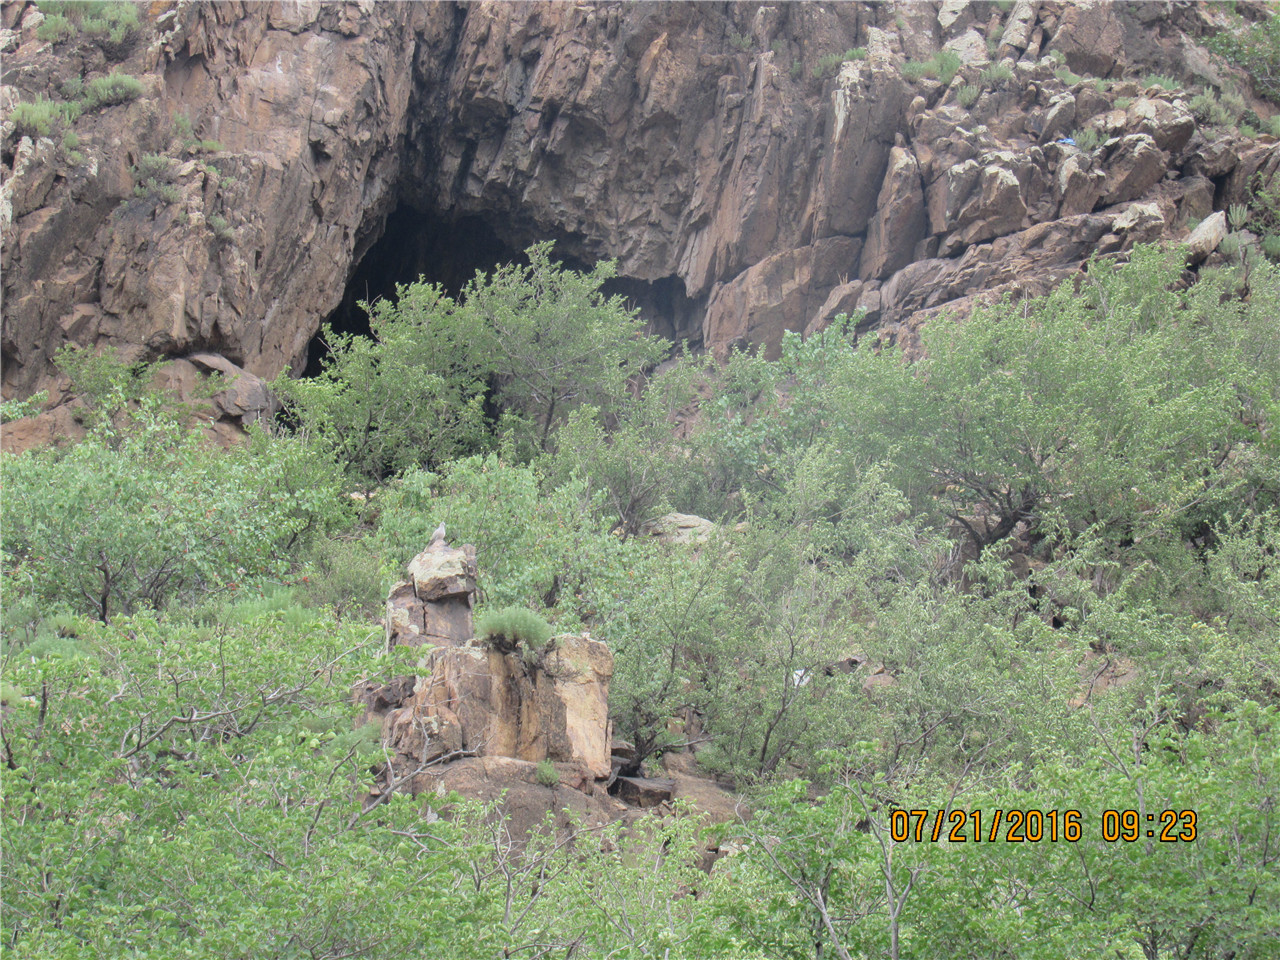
(968, 95)
(1208, 109)
(514, 627)
(112, 526)
(114, 88)
(1271, 246)
(829, 65)
(1086, 138)
(1256, 48)
(1159, 80)
(55, 29)
(547, 337)
(741, 42)
(220, 227)
(1067, 76)
(38, 118)
(344, 575)
(996, 75)
(20, 409)
(914, 70)
(546, 774)
(797, 68)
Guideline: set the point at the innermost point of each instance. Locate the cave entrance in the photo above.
(414, 244)
(448, 250)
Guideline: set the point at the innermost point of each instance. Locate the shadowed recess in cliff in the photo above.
(413, 244)
(448, 251)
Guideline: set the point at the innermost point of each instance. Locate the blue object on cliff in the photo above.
(1066, 140)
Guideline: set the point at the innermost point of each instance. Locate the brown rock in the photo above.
(1090, 35)
(899, 223)
(644, 792)
(1132, 167)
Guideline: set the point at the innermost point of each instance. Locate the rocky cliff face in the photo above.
(746, 185)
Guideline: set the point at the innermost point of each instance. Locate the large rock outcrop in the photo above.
(745, 184)
(476, 698)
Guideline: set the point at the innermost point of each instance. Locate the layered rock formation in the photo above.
(474, 698)
(746, 185)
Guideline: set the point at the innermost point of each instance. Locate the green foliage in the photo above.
(942, 66)
(19, 409)
(914, 70)
(514, 627)
(1087, 138)
(740, 42)
(112, 89)
(1067, 76)
(797, 68)
(996, 75)
(220, 227)
(39, 118)
(546, 774)
(829, 65)
(113, 24)
(344, 575)
(946, 64)
(1208, 109)
(107, 384)
(555, 341)
(1271, 246)
(1256, 48)
(1123, 103)
(416, 393)
(115, 525)
(1271, 125)
(55, 29)
(1159, 80)
(968, 95)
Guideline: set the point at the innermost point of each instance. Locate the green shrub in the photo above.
(55, 29)
(72, 88)
(1086, 138)
(947, 64)
(546, 774)
(1208, 109)
(343, 575)
(119, 523)
(211, 146)
(154, 176)
(113, 24)
(740, 41)
(1271, 246)
(1058, 57)
(996, 75)
(1159, 80)
(1255, 47)
(914, 70)
(797, 68)
(829, 65)
(221, 229)
(513, 627)
(1124, 103)
(968, 95)
(114, 88)
(1230, 246)
(1238, 215)
(1068, 77)
(942, 66)
(1271, 125)
(39, 117)
(20, 409)
(1248, 132)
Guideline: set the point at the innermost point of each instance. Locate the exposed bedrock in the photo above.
(746, 185)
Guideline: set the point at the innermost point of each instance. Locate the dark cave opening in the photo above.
(449, 250)
(413, 244)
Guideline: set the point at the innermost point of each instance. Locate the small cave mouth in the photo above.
(449, 249)
(414, 244)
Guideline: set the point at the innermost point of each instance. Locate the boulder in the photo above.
(434, 606)
(1205, 238)
(1090, 35)
(680, 528)
(643, 792)
(900, 222)
(1133, 166)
